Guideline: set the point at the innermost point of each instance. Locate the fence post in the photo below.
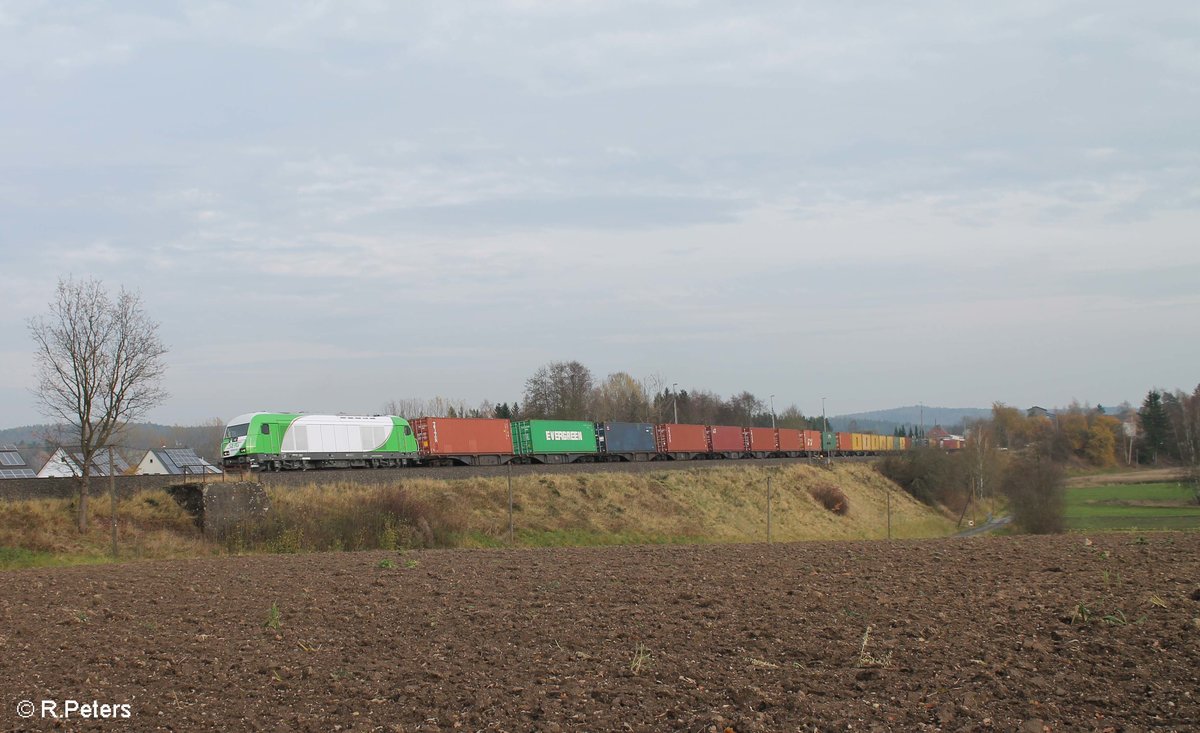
(510, 505)
(768, 510)
(889, 510)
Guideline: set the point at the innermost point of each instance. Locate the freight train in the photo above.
(265, 441)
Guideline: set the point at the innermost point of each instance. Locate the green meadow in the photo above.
(1133, 507)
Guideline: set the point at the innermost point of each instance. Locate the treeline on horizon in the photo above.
(567, 390)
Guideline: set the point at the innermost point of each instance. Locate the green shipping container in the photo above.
(553, 436)
(828, 442)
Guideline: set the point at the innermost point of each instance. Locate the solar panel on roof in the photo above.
(11, 458)
(100, 463)
(17, 473)
(186, 461)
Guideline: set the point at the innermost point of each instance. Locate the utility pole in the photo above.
(889, 512)
(112, 490)
(772, 412)
(675, 400)
(824, 430)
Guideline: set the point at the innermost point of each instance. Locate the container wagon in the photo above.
(445, 441)
(681, 442)
(554, 441)
(626, 441)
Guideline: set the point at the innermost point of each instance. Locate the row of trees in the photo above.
(567, 390)
(1087, 433)
(1166, 428)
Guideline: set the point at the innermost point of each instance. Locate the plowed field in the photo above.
(968, 634)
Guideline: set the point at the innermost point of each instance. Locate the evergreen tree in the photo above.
(1155, 426)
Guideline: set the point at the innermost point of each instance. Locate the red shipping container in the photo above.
(725, 439)
(812, 440)
(760, 440)
(845, 443)
(455, 436)
(676, 438)
(791, 440)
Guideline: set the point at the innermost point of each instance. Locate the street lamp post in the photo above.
(825, 429)
(772, 412)
(675, 400)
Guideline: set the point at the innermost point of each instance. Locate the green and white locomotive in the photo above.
(267, 441)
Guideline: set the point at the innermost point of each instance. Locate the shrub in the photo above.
(348, 518)
(1036, 493)
(831, 497)
(930, 475)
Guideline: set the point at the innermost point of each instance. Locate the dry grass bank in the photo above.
(712, 504)
(726, 504)
(149, 525)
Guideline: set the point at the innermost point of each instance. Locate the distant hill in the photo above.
(886, 421)
(26, 434)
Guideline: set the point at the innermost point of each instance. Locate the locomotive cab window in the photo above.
(407, 430)
(266, 429)
(233, 432)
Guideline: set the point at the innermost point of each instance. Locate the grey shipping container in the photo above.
(625, 437)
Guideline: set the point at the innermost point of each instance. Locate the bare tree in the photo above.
(98, 364)
(208, 443)
(559, 390)
(620, 397)
(414, 407)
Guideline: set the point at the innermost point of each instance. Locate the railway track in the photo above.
(389, 475)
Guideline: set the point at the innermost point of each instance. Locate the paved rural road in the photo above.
(993, 524)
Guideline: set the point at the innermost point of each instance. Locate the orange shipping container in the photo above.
(792, 440)
(449, 436)
(845, 443)
(676, 438)
(760, 440)
(812, 440)
(725, 439)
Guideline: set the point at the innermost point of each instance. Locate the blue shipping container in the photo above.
(625, 437)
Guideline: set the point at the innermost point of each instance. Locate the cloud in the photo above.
(664, 186)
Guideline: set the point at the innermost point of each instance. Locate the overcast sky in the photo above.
(331, 205)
